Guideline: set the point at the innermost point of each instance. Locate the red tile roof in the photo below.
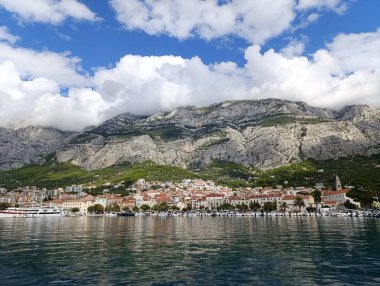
(215, 196)
(329, 202)
(330, 193)
(262, 196)
(288, 198)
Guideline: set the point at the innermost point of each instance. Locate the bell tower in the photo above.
(338, 184)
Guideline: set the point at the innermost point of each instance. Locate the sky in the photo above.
(70, 64)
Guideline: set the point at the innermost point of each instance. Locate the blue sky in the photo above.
(103, 43)
(65, 56)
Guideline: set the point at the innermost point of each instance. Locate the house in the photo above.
(161, 198)
(198, 203)
(214, 200)
(128, 202)
(328, 205)
(308, 201)
(101, 201)
(82, 204)
(264, 198)
(138, 200)
(235, 200)
(181, 205)
(339, 196)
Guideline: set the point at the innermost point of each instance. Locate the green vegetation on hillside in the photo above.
(282, 119)
(227, 173)
(353, 171)
(214, 142)
(363, 173)
(66, 174)
(165, 132)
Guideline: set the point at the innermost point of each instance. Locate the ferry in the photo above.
(42, 211)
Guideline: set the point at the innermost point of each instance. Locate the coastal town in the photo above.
(186, 195)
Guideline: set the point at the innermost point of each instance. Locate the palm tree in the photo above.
(283, 207)
(298, 201)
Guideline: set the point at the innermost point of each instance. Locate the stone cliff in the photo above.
(264, 134)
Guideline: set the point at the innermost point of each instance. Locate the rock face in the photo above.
(28, 145)
(264, 134)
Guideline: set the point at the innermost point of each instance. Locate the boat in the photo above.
(126, 214)
(41, 211)
(111, 214)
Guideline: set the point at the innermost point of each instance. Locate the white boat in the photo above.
(111, 214)
(42, 211)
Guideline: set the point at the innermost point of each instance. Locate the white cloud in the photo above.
(254, 20)
(6, 36)
(347, 71)
(37, 102)
(312, 17)
(48, 11)
(339, 6)
(357, 51)
(62, 68)
(30, 86)
(251, 20)
(144, 85)
(294, 48)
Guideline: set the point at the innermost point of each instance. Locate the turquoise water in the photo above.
(188, 251)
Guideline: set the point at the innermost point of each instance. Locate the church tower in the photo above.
(338, 184)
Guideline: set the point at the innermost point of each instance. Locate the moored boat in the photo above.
(126, 214)
(43, 211)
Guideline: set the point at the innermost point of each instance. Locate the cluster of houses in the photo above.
(194, 194)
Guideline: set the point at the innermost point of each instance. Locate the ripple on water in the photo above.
(217, 251)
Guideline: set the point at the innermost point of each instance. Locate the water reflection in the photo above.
(154, 250)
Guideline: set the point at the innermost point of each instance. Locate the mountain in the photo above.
(264, 134)
(27, 145)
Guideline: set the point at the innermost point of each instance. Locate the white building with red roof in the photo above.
(214, 200)
(308, 201)
(339, 196)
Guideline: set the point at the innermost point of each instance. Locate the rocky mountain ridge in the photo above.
(263, 134)
(27, 145)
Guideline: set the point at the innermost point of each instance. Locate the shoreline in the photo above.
(357, 214)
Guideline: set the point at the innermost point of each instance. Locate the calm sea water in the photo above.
(188, 251)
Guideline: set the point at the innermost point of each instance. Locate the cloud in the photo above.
(254, 20)
(251, 20)
(346, 71)
(30, 90)
(357, 51)
(38, 102)
(145, 85)
(294, 48)
(339, 6)
(48, 11)
(6, 36)
(61, 68)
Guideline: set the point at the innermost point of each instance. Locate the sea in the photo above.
(190, 251)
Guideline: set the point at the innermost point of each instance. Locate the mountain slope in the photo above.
(28, 145)
(263, 134)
